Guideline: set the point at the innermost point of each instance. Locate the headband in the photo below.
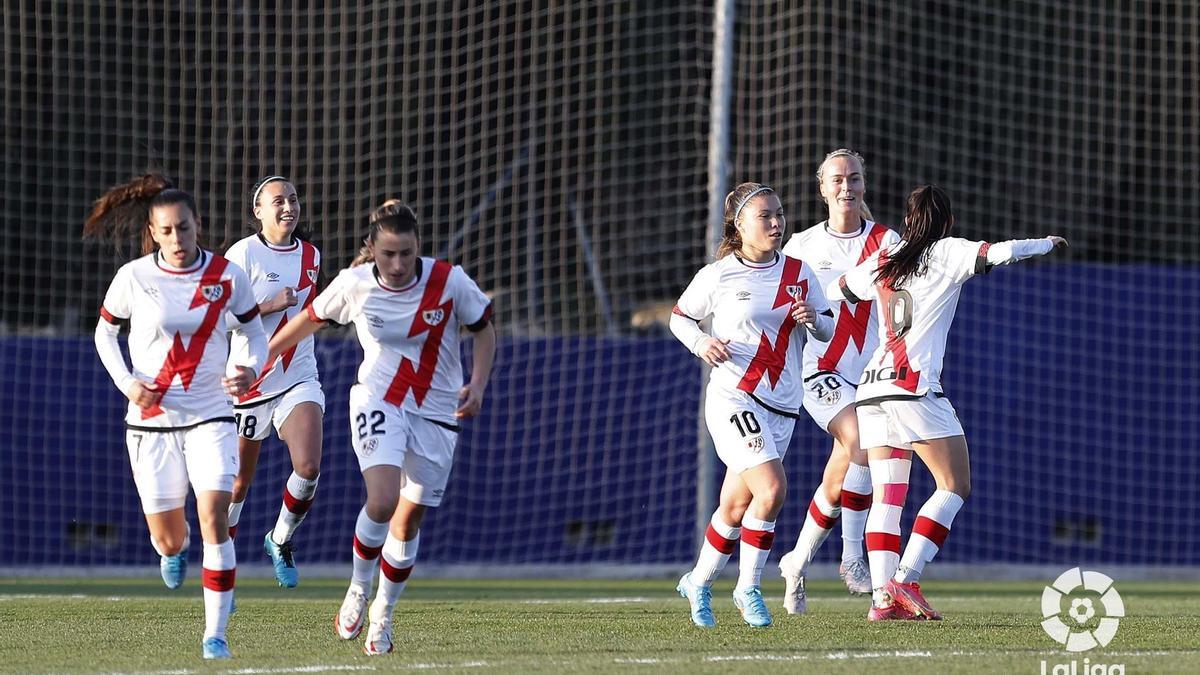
(261, 185)
(747, 198)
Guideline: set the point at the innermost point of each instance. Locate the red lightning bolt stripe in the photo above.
(852, 324)
(420, 379)
(771, 360)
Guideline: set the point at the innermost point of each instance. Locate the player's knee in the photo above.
(170, 544)
(732, 513)
(962, 488)
(381, 511)
(307, 468)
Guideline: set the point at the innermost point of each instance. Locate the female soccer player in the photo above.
(757, 298)
(405, 409)
(283, 269)
(900, 404)
(831, 370)
(180, 423)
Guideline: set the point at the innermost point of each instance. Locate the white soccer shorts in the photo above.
(383, 434)
(744, 432)
(255, 422)
(164, 462)
(825, 396)
(899, 423)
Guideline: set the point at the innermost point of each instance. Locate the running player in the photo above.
(831, 369)
(176, 299)
(406, 407)
(283, 269)
(900, 403)
(757, 297)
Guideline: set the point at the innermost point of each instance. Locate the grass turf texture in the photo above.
(138, 626)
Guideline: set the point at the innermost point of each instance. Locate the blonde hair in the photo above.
(863, 209)
(731, 239)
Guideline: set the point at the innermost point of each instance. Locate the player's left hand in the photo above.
(240, 383)
(803, 312)
(471, 397)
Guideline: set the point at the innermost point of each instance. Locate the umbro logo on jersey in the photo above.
(212, 292)
(433, 317)
(272, 276)
(150, 291)
(825, 264)
(743, 295)
(375, 321)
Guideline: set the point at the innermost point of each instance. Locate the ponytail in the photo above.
(391, 216)
(928, 218)
(123, 210)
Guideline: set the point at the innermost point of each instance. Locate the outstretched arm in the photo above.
(1008, 252)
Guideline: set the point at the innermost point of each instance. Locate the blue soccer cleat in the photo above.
(700, 598)
(754, 610)
(173, 569)
(282, 558)
(215, 648)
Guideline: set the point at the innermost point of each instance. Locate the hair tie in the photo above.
(737, 212)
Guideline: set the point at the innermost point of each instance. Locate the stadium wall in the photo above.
(599, 468)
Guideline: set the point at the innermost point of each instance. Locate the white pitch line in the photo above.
(589, 601)
(299, 669)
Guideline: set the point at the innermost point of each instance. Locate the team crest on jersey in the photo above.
(794, 289)
(369, 446)
(212, 292)
(312, 275)
(755, 444)
(433, 317)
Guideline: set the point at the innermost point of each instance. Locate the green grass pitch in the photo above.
(520, 626)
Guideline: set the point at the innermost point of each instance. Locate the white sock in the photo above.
(220, 570)
(369, 537)
(818, 523)
(757, 537)
(928, 534)
(856, 500)
(397, 563)
(720, 540)
(890, 480)
(297, 499)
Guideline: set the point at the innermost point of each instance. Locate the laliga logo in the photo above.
(1071, 633)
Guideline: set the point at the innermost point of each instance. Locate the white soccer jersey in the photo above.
(177, 325)
(271, 269)
(409, 336)
(914, 322)
(751, 307)
(855, 334)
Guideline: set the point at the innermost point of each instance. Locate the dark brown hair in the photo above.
(123, 210)
(731, 239)
(927, 218)
(301, 232)
(391, 216)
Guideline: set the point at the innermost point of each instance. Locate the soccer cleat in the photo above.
(215, 648)
(909, 596)
(856, 575)
(282, 558)
(893, 612)
(349, 620)
(795, 598)
(379, 638)
(754, 610)
(700, 599)
(173, 569)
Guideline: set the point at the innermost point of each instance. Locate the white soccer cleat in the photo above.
(857, 576)
(379, 637)
(349, 620)
(795, 598)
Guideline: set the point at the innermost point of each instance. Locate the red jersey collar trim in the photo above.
(759, 266)
(846, 235)
(279, 249)
(416, 278)
(201, 260)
